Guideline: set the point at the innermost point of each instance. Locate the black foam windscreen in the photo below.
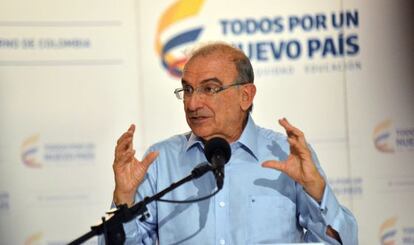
(217, 146)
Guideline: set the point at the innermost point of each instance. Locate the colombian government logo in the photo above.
(170, 49)
(389, 138)
(30, 152)
(383, 137)
(37, 153)
(388, 232)
(34, 239)
(395, 231)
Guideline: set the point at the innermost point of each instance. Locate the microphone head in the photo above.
(217, 146)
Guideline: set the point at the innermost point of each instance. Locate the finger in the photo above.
(293, 144)
(145, 163)
(129, 132)
(125, 142)
(125, 158)
(123, 146)
(289, 127)
(297, 146)
(124, 152)
(149, 158)
(128, 156)
(292, 131)
(131, 128)
(293, 141)
(278, 165)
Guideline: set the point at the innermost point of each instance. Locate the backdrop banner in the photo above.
(74, 76)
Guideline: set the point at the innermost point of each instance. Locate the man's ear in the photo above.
(248, 91)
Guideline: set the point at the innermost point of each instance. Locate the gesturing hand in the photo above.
(129, 172)
(299, 165)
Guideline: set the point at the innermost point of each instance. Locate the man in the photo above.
(274, 190)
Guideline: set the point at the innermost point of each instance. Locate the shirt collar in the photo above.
(248, 139)
(193, 140)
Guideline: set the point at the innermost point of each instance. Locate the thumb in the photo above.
(149, 158)
(278, 165)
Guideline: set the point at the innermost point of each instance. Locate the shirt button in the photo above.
(222, 241)
(222, 204)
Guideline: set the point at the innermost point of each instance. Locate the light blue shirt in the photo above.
(256, 205)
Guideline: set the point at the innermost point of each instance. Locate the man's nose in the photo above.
(194, 102)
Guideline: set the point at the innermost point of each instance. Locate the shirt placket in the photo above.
(222, 211)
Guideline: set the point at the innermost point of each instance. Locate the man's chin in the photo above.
(200, 131)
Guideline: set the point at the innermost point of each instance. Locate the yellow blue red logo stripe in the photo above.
(179, 11)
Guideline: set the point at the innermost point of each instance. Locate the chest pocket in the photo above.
(272, 219)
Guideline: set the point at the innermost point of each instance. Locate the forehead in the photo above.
(215, 65)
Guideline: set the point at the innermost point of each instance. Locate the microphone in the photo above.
(218, 153)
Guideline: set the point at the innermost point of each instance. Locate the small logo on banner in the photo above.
(30, 152)
(389, 138)
(34, 239)
(393, 232)
(388, 232)
(382, 137)
(36, 153)
(173, 60)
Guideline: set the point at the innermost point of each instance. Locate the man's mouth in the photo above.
(198, 119)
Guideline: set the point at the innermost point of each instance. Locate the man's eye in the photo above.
(210, 89)
(188, 89)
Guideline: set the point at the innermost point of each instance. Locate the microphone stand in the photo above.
(112, 228)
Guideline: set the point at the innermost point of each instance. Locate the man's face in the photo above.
(220, 114)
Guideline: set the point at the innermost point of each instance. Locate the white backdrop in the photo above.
(74, 75)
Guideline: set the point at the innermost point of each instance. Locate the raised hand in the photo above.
(299, 164)
(129, 172)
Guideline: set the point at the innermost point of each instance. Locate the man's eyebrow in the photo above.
(211, 79)
(207, 80)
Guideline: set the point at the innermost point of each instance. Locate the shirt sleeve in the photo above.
(316, 217)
